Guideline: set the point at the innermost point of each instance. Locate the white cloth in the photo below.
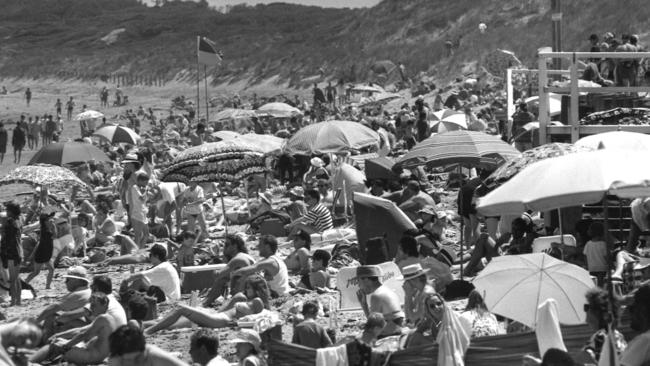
(452, 340)
(165, 276)
(280, 281)
(332, 356)
(548, 332)
(170, 191)
(116, 310)
(218, 361)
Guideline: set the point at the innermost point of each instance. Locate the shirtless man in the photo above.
(275, 271)
(377, 298)
(95, 337)
(234, 250)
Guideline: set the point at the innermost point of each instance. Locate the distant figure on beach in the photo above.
(103, 97)
(3, 142)
(18, 141)
(70, 107)
(3, 91)
(28, 96)
(58, 105)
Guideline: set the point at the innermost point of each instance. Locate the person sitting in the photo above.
(477, 319)
(298, 260)
(128, 347)
(265, 211)
(317, 219)
(318, 279)
(407, 252)
(163, 275)
(137, 310)
(275, 271)
(316, 171)
(96, 336)
(297, 208)
(248, 348)
(417, 200)
(375, 297)
(519, 241)
(185, 252)
(55, 317)
(105, 228)
(416, 288)
(204, 349)
(326, 194)
(253, 300)
(637, 352)
(17, 334)
(308, 332)
(599, 318)
(236, 255)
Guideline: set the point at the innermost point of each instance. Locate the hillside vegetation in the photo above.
(43, 38)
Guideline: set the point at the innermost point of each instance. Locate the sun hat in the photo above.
(368, 271)
(317, 162)
(248, 336)
(297, 191)
(428, 209)
(130, 158)
(413, 271)
(78, 273)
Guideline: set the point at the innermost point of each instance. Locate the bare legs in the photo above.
(201, 317)
(37, 269)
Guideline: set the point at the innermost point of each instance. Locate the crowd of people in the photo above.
(131, 217)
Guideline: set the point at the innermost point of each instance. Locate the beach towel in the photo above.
(332, 356)
(452, 340)
(547, 330)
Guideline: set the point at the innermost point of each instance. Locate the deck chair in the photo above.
(543, 244)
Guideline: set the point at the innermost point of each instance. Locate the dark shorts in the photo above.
(6, 258)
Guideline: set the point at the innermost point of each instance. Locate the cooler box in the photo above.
(273, 227)
(198, 277)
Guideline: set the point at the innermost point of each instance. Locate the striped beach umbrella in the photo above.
(448, 120)
(61, 153)
(116, 134)
(331, 137)
(458, 147)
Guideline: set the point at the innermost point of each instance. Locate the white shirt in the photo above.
(116, 310)
(165, 276)
(218, 361)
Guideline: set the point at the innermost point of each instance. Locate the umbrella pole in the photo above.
(223, 210)
(559, 218)
(462, 225)
(610, 287)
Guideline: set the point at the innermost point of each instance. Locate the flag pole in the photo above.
(198, 77)
(207, 98)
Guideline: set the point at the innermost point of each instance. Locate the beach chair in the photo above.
(543, 244)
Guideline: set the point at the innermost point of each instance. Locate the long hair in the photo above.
(475, 302)
(261, 289)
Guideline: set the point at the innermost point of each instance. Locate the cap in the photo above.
(248, 336)
(297, 191)
(78, 273)
(317, 162)
(369, 271)
(413, 271)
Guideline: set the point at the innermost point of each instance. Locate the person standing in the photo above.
(18, 140)
(42, 254)
(58, 105)
(4, 137)
(28, 96)
(70, 107)
(35, 133)
(139, 208)
(11, 252)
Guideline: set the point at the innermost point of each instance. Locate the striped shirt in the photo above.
(319, 217)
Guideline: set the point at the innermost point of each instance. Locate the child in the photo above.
(309, 333)
(596, 252)
(318, 278)
(185, 254)
(139, 208)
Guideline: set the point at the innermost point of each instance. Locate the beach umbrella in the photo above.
(367, 89)
(616, 140)
(331, 137)
(230, 161)
(349, 180)
(279, 110)
(458, 147)
(446, 120)
(234, 114)
(116, 134)
(376, 217)
(269, 144)
(88, 114)
(380, 168)
(554, 103)
(61, 153)
(571, 180)
(59, 178)
(515, 164)
(514, 286)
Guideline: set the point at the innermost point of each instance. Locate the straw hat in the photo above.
(413, 271)
(297, 191)
(248, 336)
(78, 273)
(130, 158)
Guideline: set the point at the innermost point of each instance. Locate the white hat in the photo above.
(413, 271)
(317, 162)
(78, 273)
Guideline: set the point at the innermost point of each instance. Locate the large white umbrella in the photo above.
(279, 110)
(514, 286)
(616, 140)
(116, 134)
(448, 120)
(571, 180)
(88, 114)
(331, 137)
(554, 103)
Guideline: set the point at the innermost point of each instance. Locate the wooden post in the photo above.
(544, 116)
(575, 115)
(556, 17)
